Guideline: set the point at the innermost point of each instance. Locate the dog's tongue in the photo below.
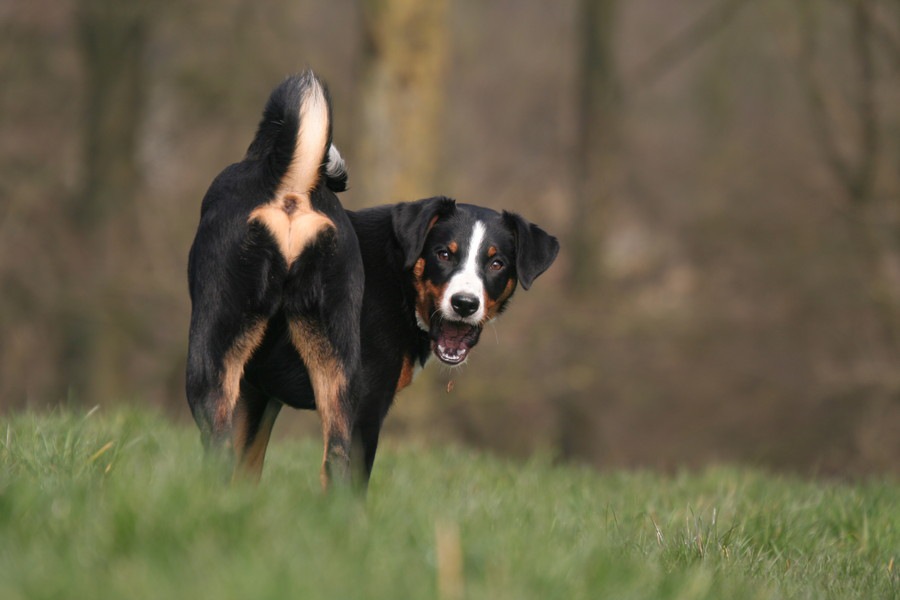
(454, 340)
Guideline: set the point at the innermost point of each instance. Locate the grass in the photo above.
(120, 506)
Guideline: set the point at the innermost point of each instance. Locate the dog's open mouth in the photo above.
(452, 340)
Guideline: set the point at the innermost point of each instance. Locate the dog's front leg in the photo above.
(367, 427)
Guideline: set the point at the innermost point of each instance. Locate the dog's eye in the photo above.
(443, 254)
(497, 265)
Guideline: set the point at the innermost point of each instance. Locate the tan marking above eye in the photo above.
(492, 251)
(453, 247)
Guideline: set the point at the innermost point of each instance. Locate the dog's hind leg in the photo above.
(323, 300)
(253, 419)
(233, 296)
(331, 375)
(215, 368)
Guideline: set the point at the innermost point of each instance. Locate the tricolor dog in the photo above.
(297, 302)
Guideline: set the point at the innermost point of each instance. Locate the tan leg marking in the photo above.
(233, 370)
(250, 457)
(329, 384)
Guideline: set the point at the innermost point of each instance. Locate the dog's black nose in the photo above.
(464, 304)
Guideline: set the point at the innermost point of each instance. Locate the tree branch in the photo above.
(856, 176)
(677, 50)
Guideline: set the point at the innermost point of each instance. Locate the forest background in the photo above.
(724, 176)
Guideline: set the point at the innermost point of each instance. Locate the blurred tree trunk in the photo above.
(400, 115)
(855, 173)
(853, 155)
(596, 142)
(596, 148)
(404, 70)
(849, 121)
(112, 38)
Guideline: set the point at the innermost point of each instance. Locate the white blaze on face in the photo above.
(467, 280)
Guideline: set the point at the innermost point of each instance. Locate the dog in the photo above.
(296, 301)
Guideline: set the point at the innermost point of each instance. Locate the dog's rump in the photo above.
(274, 242)
(293, 147)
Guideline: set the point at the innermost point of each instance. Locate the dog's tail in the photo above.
(294, 137)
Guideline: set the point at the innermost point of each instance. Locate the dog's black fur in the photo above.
(296, 301)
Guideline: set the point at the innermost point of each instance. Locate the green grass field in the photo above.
(120, 506)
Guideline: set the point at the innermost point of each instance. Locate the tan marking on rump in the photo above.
(293, 223)
(233, 369)
(491, 306)
(290, 217)
(406, 373)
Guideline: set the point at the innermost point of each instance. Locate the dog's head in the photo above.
(466, 262)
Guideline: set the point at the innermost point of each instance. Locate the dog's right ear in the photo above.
(412, 222)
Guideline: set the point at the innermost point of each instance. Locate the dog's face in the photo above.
(466, 263)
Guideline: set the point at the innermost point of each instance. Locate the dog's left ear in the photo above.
(412, 222)
(535, 248)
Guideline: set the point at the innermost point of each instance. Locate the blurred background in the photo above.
(724, 176)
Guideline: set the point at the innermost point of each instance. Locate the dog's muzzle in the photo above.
(451, 341)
